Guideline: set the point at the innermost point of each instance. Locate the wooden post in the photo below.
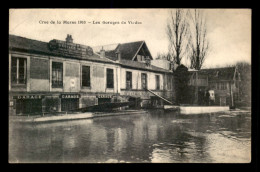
(59, 104)
(196, 89)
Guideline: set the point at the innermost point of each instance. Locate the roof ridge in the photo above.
(27, 38)
(105, 45)
(132, 42)
(119, 43)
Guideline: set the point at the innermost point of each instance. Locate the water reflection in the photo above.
(153, 137)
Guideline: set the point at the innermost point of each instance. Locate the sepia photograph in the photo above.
(169, 85)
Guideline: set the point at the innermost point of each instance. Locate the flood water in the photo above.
(157, 137)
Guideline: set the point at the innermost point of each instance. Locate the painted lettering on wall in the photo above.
(104, 96)
(69, 96)
(28, 97)
(70, 48)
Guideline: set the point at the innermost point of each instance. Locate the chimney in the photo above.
(102, 53)
(69, 39)
(118, 55)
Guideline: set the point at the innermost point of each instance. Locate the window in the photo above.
(212, 85)
(86, 76)
(144, 80)
(110, 78)
(139, 58)
(128, 80)
(57, 74)
(223, 86)
(169, 82)
(218, 86)
(18, 70)
(157, 77)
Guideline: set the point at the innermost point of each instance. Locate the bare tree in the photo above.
(177, 32)
(199, 43)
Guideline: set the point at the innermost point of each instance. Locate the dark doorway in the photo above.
(135, 102)
(52, 105)
(69, 104)
(104, 100)
(156, 102)
(27, 106)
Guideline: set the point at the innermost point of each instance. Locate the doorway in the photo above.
(27, 106)
(69, 104)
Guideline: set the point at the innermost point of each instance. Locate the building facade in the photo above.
(223, 81)
(58, 76)
(138, 74)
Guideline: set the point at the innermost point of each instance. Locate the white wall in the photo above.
(136, 79)
(165, 64)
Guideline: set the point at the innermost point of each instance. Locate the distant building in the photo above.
(224, 82)
(59, 76)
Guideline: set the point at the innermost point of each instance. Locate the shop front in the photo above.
(104, 98)
(27, 104)
(69, 102)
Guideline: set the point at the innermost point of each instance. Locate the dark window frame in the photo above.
(57, 71)
(169, 82)
(129, 80)
(157, 82)
(85, 80)
(144, 74)
(223, 85)
(19, 70)
(110, 78)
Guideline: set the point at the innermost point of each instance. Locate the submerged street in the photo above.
(155, 137)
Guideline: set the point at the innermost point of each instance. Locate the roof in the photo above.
(128, 50)
(143, 66)
(39, 47)
(216, 74)
(109, 47)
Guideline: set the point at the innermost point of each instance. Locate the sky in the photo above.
(229, 30)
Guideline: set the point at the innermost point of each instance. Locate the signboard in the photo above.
(70, 96)
(104, 96)
(70, 48)
(136, 94)
(28, 97)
